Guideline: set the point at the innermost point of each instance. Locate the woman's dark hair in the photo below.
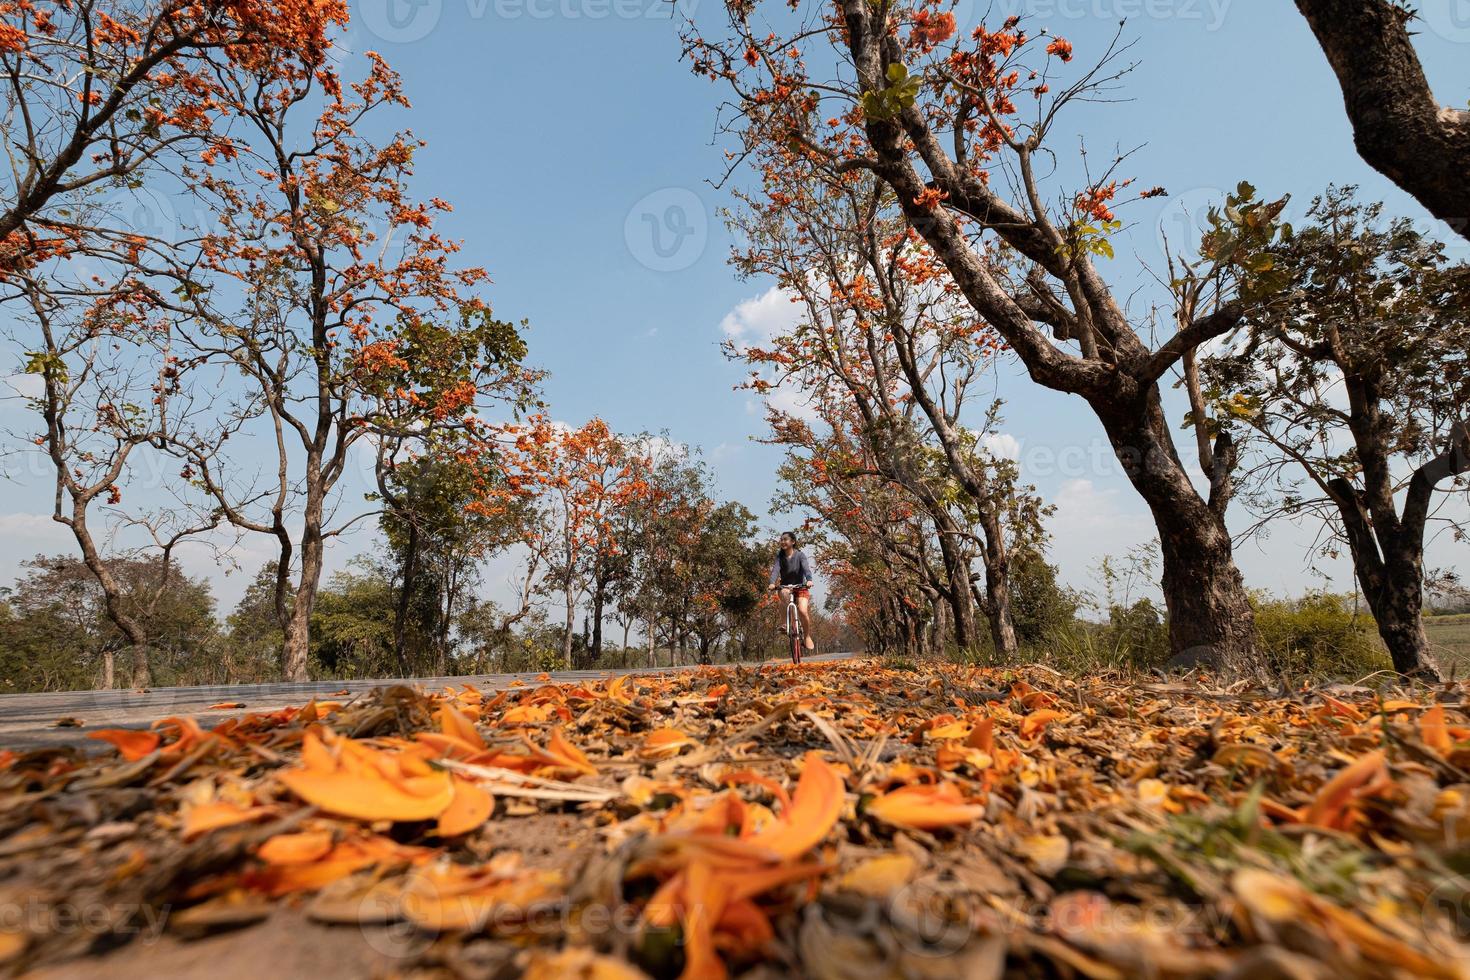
(792, 536)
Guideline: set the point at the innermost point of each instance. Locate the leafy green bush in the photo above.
(1040, 606)
(1320, 634)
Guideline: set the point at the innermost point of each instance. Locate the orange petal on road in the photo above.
(663, 743)
(925, 807)
(456, 725)
(369, 797)
(302, 848)
(1337, 793)
(471, 807)
(1434, 731)
(1035, 723)
(579, 963)
(204, 817)
(130, 743)
(815, 807)
(704, 903)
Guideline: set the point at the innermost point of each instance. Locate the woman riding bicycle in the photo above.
(792, 574)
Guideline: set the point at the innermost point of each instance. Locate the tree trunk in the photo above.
(1210, 618)
(408, 573)
(112, 597)
(957, 571)
(109, 678)
(998, 587)
(1398, 608)
(571, 607)
(1388, 559)
(1400, 128)
(939, 627)
(295, 654)
(599, 600)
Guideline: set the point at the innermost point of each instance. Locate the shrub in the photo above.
(1040, 606)
(1320, 634)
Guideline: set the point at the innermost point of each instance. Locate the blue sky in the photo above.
(576, 149)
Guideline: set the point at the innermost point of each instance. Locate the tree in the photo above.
(60, 617)
(352, 623)
(653, 528)
(581, 478)
(98, 93)
(879, 333)
(1044, 607)
(325, 288)
(255, 630)
(1354, 390)
(435, 541)
(728, 575)
(879, 544)
(48, 634)
(108, 393)
(940, 121)
(1400, 128)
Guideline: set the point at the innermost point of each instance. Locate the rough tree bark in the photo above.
(1210, 619)
(1398, 126)
(409, 574)
(1388, 546)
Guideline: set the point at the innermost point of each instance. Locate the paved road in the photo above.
(29, 721)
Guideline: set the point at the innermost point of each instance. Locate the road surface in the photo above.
(29, 721)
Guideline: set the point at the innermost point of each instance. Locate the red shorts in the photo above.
(799, 592)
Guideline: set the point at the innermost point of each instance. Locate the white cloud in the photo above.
(661, 449)
(31, 527)
(24, 385)
(758, 319)
(1092, 522)
(1002, 445)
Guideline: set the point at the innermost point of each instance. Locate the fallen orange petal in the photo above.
(300, 848)
(815, 807)
(366, 797)
(664, 743)
(703, 905)
(1035, 723)
(1337, 792)
(471, 807)
(204, 817)
(454, 724)
(925, 807)
(1434, 731)
(130, 743)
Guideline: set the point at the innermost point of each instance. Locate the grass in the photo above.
(1449, 640)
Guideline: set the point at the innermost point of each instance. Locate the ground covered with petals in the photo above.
(832, 820)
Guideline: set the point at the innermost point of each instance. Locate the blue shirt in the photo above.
(795, 570)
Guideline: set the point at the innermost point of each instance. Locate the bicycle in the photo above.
(793, 625)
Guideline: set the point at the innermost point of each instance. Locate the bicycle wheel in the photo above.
(793, 632)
